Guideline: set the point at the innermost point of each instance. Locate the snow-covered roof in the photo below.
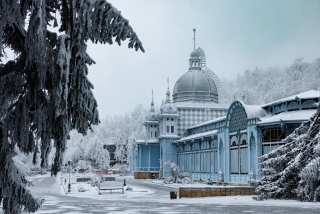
(254, 111)
(198, 135)
(288, 116)
(208, 122)
(147, 141)
(169, 136)
(303, 95)
(165, 114)
(201, 105)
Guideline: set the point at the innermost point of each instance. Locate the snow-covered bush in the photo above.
(292, 170)
(95, 180)
(124, 170)
(83, 166)
(176, 175)
(81, 189)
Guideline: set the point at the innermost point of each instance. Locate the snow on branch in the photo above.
(293, 170)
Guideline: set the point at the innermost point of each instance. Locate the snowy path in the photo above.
(151, 198)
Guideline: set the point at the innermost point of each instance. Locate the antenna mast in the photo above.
(194, 39)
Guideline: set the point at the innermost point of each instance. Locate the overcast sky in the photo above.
(235, 35)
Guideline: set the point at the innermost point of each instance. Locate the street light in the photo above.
(69, 185)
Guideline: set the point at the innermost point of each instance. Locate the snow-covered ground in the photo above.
(139, 192)
(150, 196)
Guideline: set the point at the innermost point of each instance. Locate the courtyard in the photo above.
(149, 196)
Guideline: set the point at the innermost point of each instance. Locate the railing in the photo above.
(147, 169)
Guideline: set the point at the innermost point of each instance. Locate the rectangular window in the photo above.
(212, 160)
(151, 134)
(215, 161)
(168, 129)
(155, 134)
(172, 129)
(197, 159)
(244, 160)
(234, 161)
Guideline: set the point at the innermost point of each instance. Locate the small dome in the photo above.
(195, 86)
(195, 54)
(152, 116)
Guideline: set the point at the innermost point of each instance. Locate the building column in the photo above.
(149, 157)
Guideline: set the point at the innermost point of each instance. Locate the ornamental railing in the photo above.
(147, 169)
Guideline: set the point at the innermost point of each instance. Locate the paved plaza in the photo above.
(148, 197)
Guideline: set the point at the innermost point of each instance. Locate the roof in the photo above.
(289, 116)
(148, 141)
(198, 135)
(208, 122)
(195, 54)
(195, 85)
(254, 110)
(304, 95)
(209, 105)
(169, 136)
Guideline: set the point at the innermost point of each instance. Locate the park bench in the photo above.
(109, 178)
(86, 179)
(105, 188)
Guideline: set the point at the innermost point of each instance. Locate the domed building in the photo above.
(211, 140)
(195, 100)
(196, 94)
(195, 85)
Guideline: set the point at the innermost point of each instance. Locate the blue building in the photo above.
(212, 140)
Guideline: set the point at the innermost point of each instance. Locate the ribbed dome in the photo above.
(197, 86)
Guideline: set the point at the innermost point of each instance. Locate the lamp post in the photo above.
(69, 185)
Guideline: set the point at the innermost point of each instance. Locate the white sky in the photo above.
(235, 35)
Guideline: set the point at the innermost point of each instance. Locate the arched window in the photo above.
(170, 125)
(272, 139)
(234, 156)
(277, 110)
(239, 155)
(293, 106)
(308, 104)
(238, 120)
(273, 135)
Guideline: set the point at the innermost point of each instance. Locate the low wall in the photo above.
(198, 192)
(145, 175)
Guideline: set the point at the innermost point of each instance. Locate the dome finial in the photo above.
(168, 92)
(194, 39)
(152, 103)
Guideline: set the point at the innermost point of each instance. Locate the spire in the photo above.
(152, 103)
(194, 39)
(168, 92)
(195, 60)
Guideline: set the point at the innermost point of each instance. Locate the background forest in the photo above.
(261, 86)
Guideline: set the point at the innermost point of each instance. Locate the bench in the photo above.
(83, 179)
(109, 178)
(110, 189)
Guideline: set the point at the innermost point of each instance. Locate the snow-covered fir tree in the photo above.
(45, 92)
(293, 170)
